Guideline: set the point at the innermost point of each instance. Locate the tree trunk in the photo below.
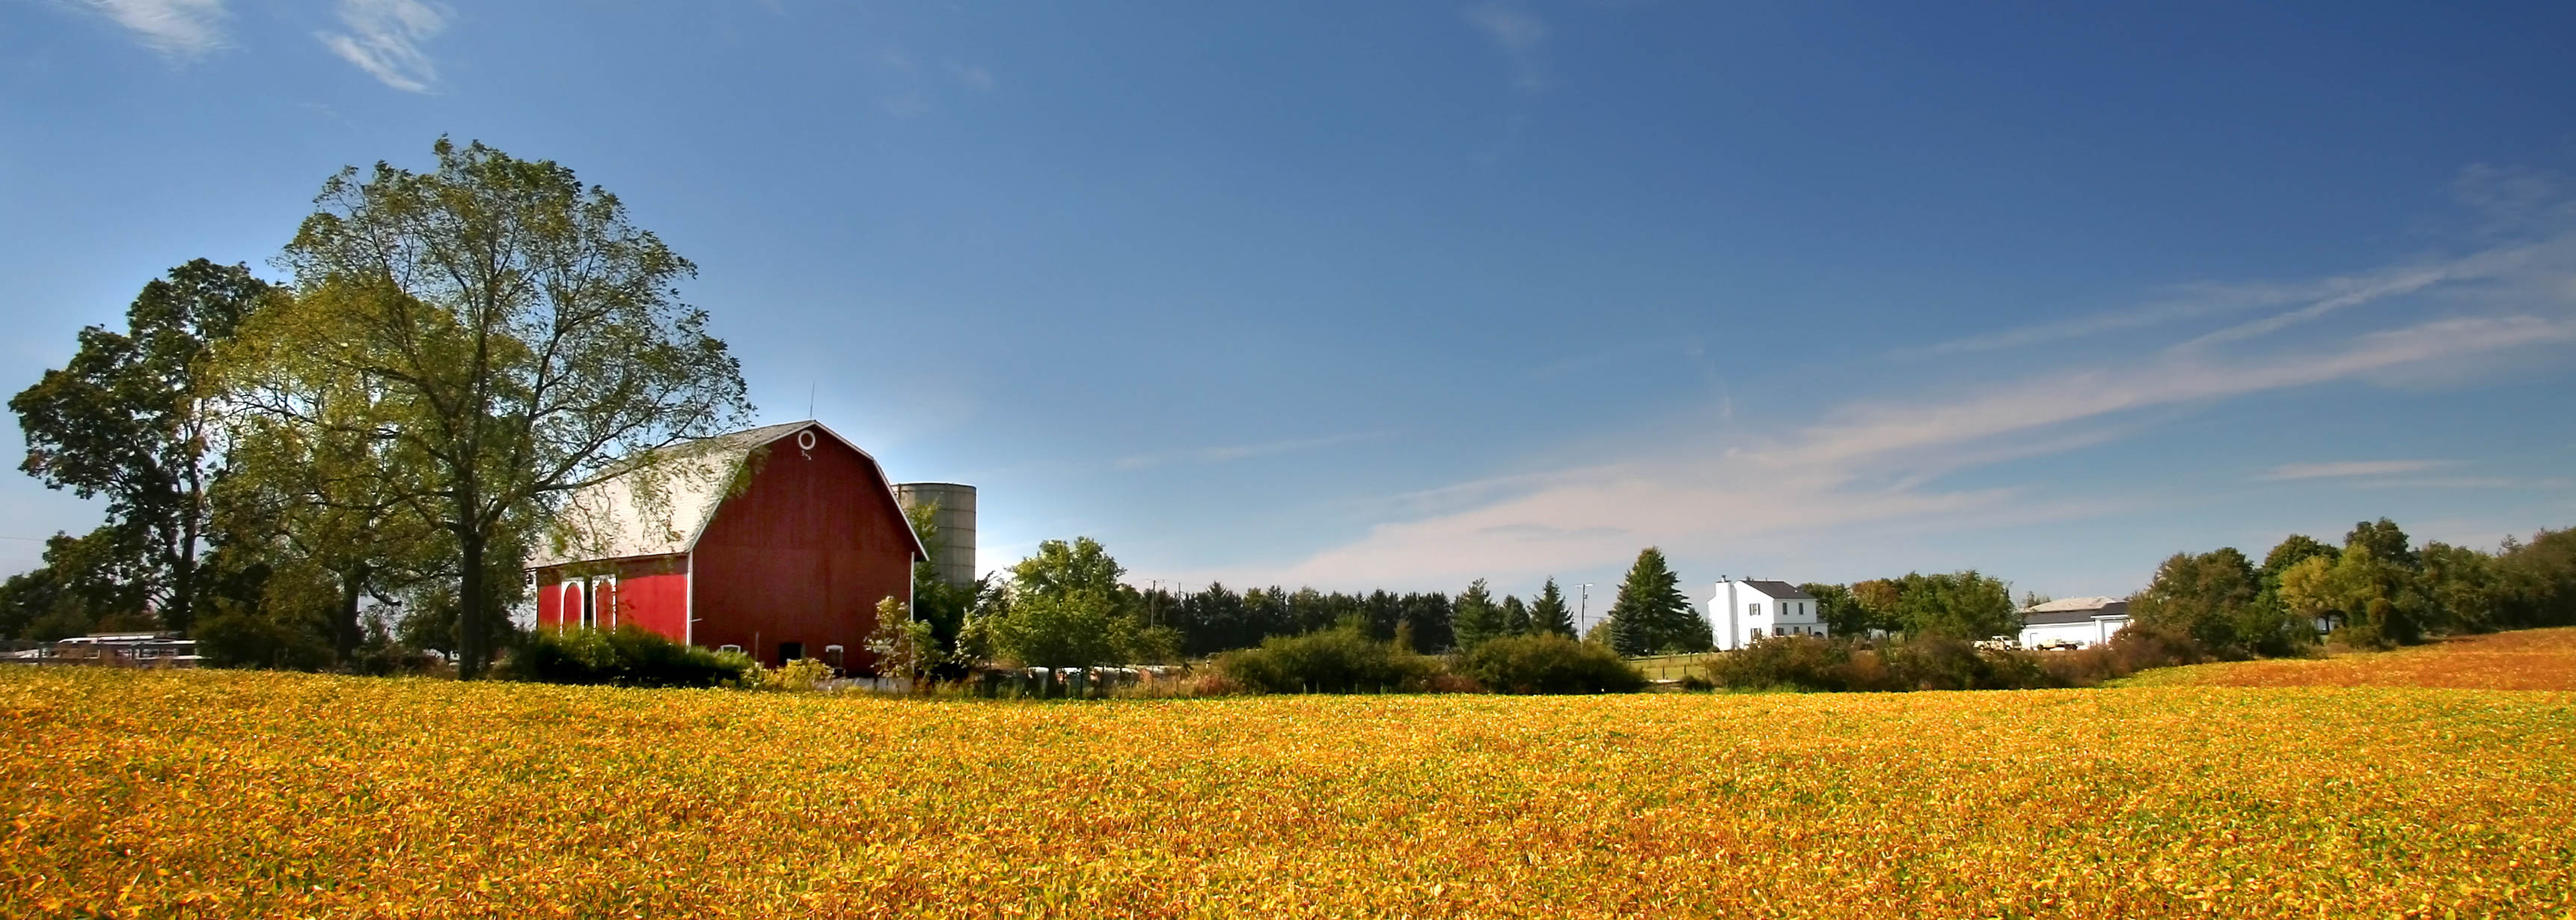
(344, 638)
(469, 619)
(183, 581)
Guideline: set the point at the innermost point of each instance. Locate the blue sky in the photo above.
(1371, 294)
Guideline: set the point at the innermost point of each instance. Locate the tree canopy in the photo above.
(1651, 615)
(517, 338)
(129, 419)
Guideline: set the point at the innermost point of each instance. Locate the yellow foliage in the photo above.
(2530, 659)
(237, 794)
(800, 674)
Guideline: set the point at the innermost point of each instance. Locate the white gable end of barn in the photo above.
(661, 505)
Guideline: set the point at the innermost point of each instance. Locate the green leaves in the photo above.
(514, 336)
(128, 419)
(1651, 615)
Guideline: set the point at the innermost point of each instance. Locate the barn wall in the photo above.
(656, 602)
(651, 592)
(549, 604)
(802, 555)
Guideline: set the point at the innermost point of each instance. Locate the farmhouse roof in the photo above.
(2074, 610)
(1779, 590)
(664, 498)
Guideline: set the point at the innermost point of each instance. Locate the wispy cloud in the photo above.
(1714, 490)
(974, 77)
(912, 87)
(1518, 34)
(1242, 451)
(2315, 299)
(2342, 468)
(2470, 482)
(384, 37)
(179, 29)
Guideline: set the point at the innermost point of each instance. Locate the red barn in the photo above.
(778, 541)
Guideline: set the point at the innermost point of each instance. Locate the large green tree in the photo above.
(1077, 628)
(519, 339)
(1840, 610)
(2292, 550)
(1474, 617)
(2538, 580)
(88, 583)
(1550, 614)
(131, 419)
(1651, 615)
(1067, 608)
(1962, 605)
(312, 499)
(1061, 568)
(2219, 599)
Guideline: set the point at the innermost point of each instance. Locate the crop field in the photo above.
(218, 794)
(2531, 659)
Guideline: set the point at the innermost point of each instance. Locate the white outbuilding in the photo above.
(1740, 611)
(2078, 622)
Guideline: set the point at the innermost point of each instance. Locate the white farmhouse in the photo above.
(2075, 621)
(1742, 611)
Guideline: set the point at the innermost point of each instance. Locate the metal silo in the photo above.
(954, 550)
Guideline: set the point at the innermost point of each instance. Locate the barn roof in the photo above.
(2073, 610)
(666, 497)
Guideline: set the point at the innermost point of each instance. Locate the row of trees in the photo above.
(456, 350)
(2377, 589)
(1066, 606)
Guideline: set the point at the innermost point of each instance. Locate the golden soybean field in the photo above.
(224, 794)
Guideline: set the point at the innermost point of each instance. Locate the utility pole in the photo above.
(1584, 611)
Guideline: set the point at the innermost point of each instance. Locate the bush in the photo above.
(1329, 661)
(1788, 663)
(1549, 663)
(626, 657)
(1942, 663)
(797, 675)
(243, 637)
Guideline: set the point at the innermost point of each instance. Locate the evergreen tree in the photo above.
(1550, 615)
(1651, 615)
(1516, 616)
(1475, 617)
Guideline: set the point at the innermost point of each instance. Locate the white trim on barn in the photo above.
(664, 502)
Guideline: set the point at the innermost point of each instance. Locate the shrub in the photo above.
(1328, 661)
(1786, 663)
(1940, 663)
(800, 674)
(627, 657)
(1549, 663)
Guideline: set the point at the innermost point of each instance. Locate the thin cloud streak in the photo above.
(384, 40)
(2319, 298)
(178, 29)
(1234, 452)
(1717, 491)
(2343, 468)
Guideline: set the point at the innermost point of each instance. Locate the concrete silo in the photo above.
(954, 549)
